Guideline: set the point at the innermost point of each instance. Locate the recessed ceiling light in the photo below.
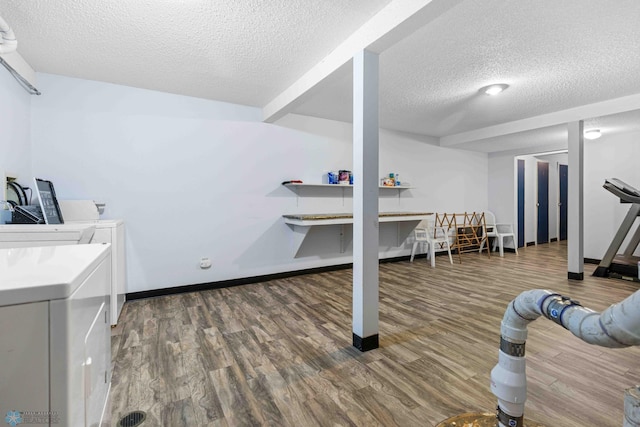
(494, 89)
(592, 134)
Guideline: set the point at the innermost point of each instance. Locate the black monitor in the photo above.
(48, 201)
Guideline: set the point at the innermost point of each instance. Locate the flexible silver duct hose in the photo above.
(8, 42)
(632, 407)
(617, 326)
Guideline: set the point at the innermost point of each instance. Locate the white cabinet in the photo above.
(55, 358)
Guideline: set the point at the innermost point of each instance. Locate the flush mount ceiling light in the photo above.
(592, 134)
(494, 89)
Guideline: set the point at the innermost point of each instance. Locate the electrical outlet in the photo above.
(205, 263)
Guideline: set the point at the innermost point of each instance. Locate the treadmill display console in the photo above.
(624, 191)
(623, 264)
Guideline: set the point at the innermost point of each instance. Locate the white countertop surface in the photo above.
(46, 273)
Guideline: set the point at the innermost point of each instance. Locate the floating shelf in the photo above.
(397, 187)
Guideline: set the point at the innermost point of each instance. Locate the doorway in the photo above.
(543, 203)
(564, 194)
(520, 203)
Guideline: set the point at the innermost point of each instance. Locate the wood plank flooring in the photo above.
(279, 353)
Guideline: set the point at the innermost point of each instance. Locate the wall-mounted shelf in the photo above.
(294, 185)
(299, 189)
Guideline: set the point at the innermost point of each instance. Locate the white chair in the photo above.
(504, 231)
(419, 238)
(490, 230)
(437, 238)
(498, 232)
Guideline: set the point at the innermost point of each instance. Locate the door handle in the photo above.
(538, 205)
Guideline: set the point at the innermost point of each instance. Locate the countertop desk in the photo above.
(302, 223)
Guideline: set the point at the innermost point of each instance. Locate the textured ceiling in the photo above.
(240, 51)
(555, 55)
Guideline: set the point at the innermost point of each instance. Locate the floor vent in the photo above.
(132, 419)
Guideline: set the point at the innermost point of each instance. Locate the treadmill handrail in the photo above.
(625, 192)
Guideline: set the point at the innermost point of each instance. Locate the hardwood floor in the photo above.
(279, 353)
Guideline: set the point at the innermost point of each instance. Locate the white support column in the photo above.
(575, 227)
(365, 200)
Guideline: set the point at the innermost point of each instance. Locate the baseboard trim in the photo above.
(232, 282)
(366, 344)
(576, 276)
(264, 278)
(249, 280)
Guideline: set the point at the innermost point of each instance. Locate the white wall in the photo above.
(15, 130)
(616, 156)
(610, 156)
(503, 196)
(530, 198)
(531, 194)
(502, 191)
(554, 161)
(195, 178)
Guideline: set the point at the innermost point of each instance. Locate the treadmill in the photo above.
(624, 264)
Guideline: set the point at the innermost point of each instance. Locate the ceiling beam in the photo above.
(584, 112)
(393, 23)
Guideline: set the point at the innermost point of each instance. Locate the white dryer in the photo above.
(56, 355)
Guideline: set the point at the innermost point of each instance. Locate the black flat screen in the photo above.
(48, 202)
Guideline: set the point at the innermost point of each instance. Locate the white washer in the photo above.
(86, 213)
(111, 231)
(55, 356)
(81, 226)
(28, 235)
